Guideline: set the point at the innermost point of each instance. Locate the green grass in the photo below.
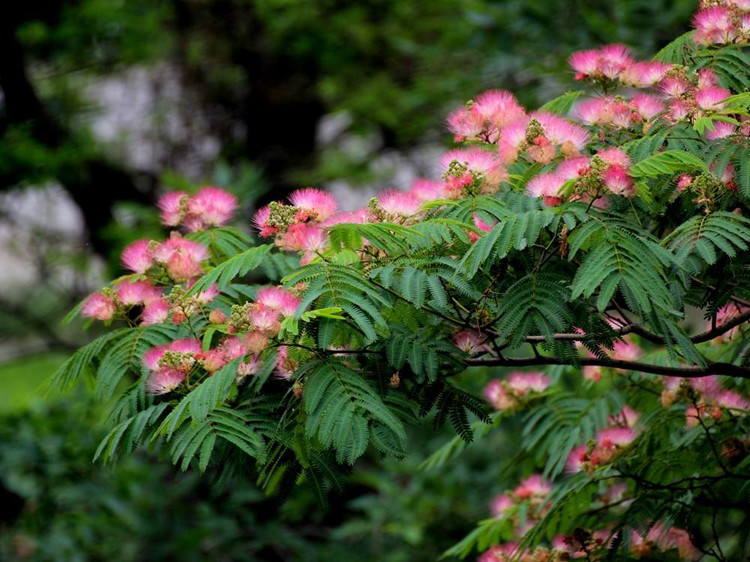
(21, 379)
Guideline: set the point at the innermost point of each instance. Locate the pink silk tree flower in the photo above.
(584, 63)
(211, 206)
(155, 312)
(466, 123)
(205, 297)
(511, 142)
(522, 383)
(576, 458)
(647, 106)
(501, 504)
(265, 319)
(260, 222)
(498, 107)
(614, 59)
(136, 256)
(285, 365)
(173, 205)
(710, 98)
(427, 190)
(163, 381)
(571, 138)
(720, 130)
(615, 156)
(399, 204)
(546, 186)
(533, 486)
(596, 111)
(617, 181)
(279, 299)
(99, 307)
(136, 292)
(313, 204)
(674, 86)
(469, 341)
(714, 25)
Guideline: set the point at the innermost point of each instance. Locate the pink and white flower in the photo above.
(137, 257)
(314, 204)
(99, 307)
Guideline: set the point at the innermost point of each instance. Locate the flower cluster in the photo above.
(706, 398)
(608, 444)
(209, 207)
(514, 390)
(721, 22)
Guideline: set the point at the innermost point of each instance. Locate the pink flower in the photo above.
(643, 74)
(233, 348)
(469, 341)
(614, 59)
(617, 181)
(512, 138)
(585, 63)
(615, 156)
(136, 256)
(285, 366)
(186, 345)
(481, 163)
(500, 553)
(498, 107)
(720, 130)
(533, 486)
(615, 437)
(172, 205)
(648, 106)
(547, 186)
(155, 312)
(260, 221)
(626, 351)
(163, 381)
(399, 204)
(360, 216)
(674, 86)
(182, 258)
(522, 383)
(732, 401)
(707, 77)
(205, 297)
(672, 537)
(570, 137)
(427, 190)
(303, 237)
(136, 293)
(249, 366)
(265, 319)
(466, 123)
(313, 203)
(279, 299)
(98, 306)
(594, 111)
(211, 206)
(678, 110)
(501, 504)
(627, 416)
(213, 360)
(576, 458)
(708, 387)
(714, 26)
(592, 373)
(683, 182)
(497, 396)
(255, 342)
(572, 168)
(710, 97)
(152, 356)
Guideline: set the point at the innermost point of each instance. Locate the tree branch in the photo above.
(685, 371)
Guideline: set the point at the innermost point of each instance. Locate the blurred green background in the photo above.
(106, 103)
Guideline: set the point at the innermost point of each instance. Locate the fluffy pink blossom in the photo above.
(249, 366)
(592, 373)
(205, 297)
(360, 216)
(707, 77)
(173, 206)
(614, 59)
(265, 319)
(684, 181)
(498, 107)
(497, 396)
(617, 181)
(626, 351)
(570, 137)
(714, 26)
(466, 123)
(163, 381)
(302, 237)
(260, 221)
(98, 306)
(533, 486)
(672, 537)
(314, 204)
(627, 416)
(710, 98)
(211, 206)
(522, 383)
(137, 257)
(501, 504)
(400, 204)
(182, 258)
(500, 553)
(647, 106)
(708, 387)
(678, 110)
(572, 168)
(469, 341)
(615, 155)
(185, 345)
(511, 141)
(732, 400)
(594, 111)
(674, 86)
(152, 356)
(480, 162)
(576, 458)
(547, 186)
(720, 130)
(155, 312)
(584, 63)
(213, 359)
(427, 190)
(279, 299)
(285, 365)
(255, 342)
(615, 437)
(136, 292)
(644, 74)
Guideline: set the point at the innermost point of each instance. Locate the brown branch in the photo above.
(686, 371)
(708, 335)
